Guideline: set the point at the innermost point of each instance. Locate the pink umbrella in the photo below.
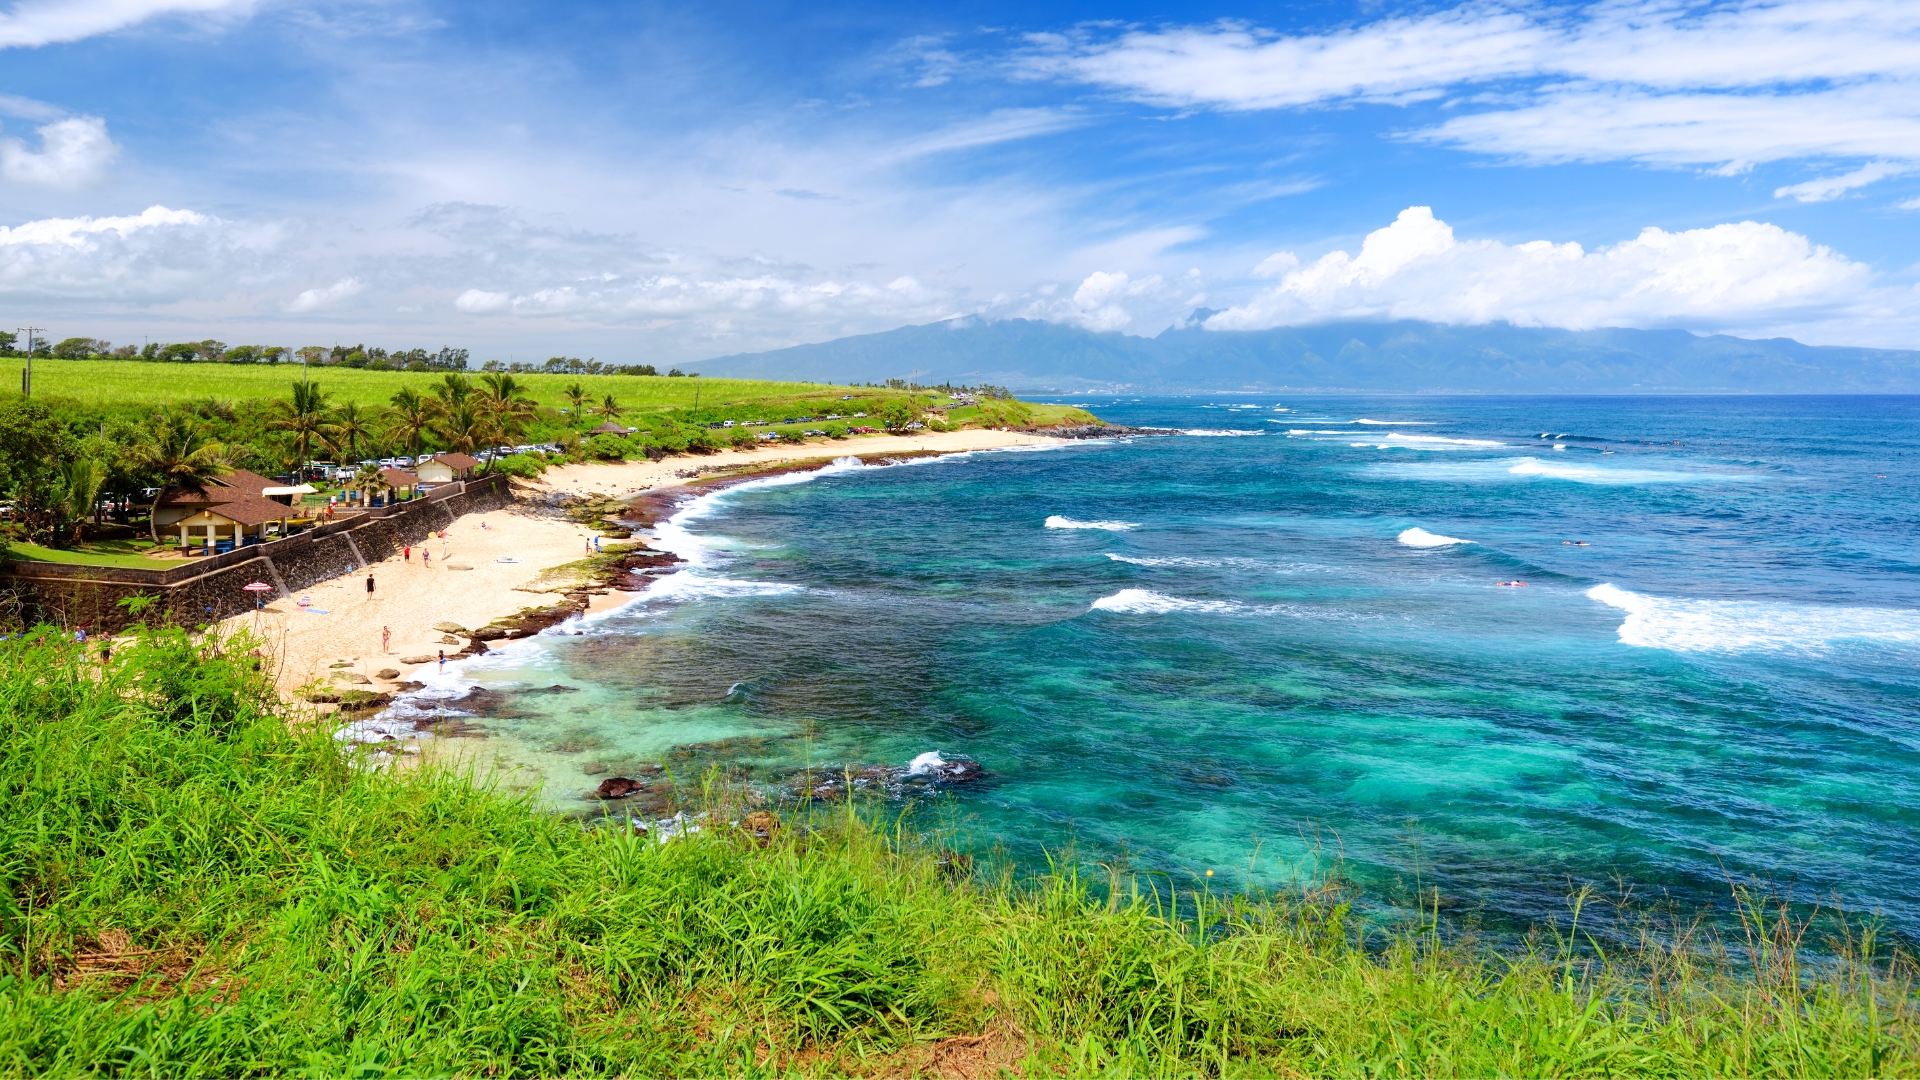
(258, 586)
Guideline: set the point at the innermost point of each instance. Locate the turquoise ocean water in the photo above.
(1281, 636)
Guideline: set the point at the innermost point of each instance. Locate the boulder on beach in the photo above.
(387, 673)
(449, 628)
(416, 659)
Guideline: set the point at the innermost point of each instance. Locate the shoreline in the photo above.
(491, 567)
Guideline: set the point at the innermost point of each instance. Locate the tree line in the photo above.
(211, 351)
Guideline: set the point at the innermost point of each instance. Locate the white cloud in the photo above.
(1728, 130)
(72, 152)
(323, 298)
(481, 302)
(32, 23)
(1832, 187)
(1104, 302)
(1659, 82)
(1725, 276)
(159, 256)
(1909, 204)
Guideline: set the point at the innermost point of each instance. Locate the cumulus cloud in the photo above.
(72, 152)
(1726, 86)
(324, 298)
(160, 255)
(32, 23)
(1724, 276)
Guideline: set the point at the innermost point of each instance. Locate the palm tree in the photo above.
(506, 403)
(350, 426)
(576, 396)
(177, 451)
(84, 476)
(368, 480)
(410, 419)
(610, 408)
(306, 415)
(453, 389)
(464, 426)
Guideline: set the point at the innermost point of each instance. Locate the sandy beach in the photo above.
(632, 477)
(342, 626)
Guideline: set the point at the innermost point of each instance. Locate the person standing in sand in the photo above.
(369, 586)
(386, 640)
(426, 558)
(406, 553)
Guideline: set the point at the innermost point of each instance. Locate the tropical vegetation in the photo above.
(195, 881)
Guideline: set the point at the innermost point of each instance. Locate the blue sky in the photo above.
(672, 182)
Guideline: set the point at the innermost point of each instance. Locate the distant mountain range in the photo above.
(1395, 356)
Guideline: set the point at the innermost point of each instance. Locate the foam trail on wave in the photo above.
(1056, 521)
(1417, 537)
(1148, 602)
(1220, 433)
(1683, 625)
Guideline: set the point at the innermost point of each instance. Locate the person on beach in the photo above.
(369, 586)
(386, 640)
(406, 553)
(443, 661)
(426, 558)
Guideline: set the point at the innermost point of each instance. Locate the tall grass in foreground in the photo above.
(194, 887)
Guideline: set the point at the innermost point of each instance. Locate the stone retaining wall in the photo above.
(207, 590)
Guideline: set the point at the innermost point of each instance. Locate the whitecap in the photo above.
(1170, 560)
(1420, 538)
(1147, 602)
(1395, 423)
(1590, 474)
(1058, 522)
(1220, 433)
(1684, 625)
(926, 763)
(1425, 441)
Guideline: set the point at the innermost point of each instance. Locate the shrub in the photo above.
(523, 466)
(608, 448)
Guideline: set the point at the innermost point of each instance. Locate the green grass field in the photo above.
(96, 554)
(192, 886)
(113, 382)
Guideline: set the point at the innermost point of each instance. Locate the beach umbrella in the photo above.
(258, 586)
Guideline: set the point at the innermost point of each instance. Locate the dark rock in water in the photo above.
(556, 688)
(617, 787)
(408, 687)
(1100, 431)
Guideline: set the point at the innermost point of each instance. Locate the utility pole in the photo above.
(26, 375)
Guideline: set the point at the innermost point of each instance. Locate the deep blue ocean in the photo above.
(1282, 639)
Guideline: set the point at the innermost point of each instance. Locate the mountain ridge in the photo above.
(1403, 355)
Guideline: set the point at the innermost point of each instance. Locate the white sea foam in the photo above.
(1059, 522)
(1684, 625)
(1592, 474)
(926, 763)
(1395, 423)
(1147, 602)
(1220, 433)
(1420, 538)
(1423, 441)
(1169, 560)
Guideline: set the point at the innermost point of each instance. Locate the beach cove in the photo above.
(1280, 642)
(505, 559)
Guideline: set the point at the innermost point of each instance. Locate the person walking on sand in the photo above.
(369, 586)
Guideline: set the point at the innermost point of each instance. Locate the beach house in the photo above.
(445, 468)
(233, 510)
